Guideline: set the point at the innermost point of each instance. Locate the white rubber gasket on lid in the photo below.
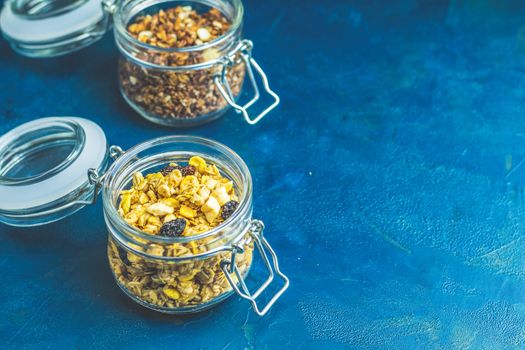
(50, 29)
(75, 175)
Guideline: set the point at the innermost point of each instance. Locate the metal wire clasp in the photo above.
(109, 6)
(96, 179)
(244, 50)
(229, 268)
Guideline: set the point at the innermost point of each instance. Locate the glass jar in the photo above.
(169, 86)
(167, 274)
(182, 274)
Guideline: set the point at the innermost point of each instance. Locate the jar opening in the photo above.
(38, 153)
(131, 9)
(150, 157)
(39, 9)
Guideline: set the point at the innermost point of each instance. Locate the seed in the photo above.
(228, 209)
(173, 228)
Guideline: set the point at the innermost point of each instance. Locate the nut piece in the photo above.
(204, 193)
(145, 35)
(211, 209)
(164, 191)
(203, 34)
(160, 209)
(168, 218)
(209, 182)
(210, 54)
(221, 195)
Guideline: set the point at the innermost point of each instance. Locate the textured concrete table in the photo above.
(389, 180)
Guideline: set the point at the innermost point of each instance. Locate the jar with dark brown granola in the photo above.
(185, 63)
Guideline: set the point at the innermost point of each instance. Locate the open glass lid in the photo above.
(47, 28)
(49, 169)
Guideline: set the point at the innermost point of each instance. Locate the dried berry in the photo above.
(187, 170)
(168, 169)
(173, 228)
(228, 209)
(123, 255)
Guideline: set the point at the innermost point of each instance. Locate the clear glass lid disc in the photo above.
(46, 28)
(44, 165)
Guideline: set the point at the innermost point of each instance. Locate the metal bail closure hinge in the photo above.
(115, 152)
(109, 6)
(96, 179)
(229, 268)
(244, 51)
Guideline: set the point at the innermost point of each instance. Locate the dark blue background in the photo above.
(383, 179)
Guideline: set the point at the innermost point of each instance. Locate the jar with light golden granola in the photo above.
(181, 234)
(183, 65)
(178, 201)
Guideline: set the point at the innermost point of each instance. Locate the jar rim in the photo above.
(120, 24)
(111, 211)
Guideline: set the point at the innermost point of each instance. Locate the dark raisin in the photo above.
(168, 169)
(187, 170)
(123, 255)
(173, 228)
(228, 209)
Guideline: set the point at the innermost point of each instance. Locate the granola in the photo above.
(178, 201)
(174, 95)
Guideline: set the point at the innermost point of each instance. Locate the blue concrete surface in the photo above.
(389, 180)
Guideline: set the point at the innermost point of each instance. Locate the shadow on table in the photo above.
(226, 311)
(80, 271)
